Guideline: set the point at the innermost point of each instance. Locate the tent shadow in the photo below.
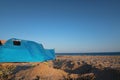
(19, 68)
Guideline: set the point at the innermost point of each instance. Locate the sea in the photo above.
(90, 54)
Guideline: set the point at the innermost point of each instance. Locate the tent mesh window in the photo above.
(16, 43)
(0, 43)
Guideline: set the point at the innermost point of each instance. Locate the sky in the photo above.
(66, 25)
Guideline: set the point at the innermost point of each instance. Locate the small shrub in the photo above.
(6, 71)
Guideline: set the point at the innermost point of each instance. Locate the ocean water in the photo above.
(91, 54)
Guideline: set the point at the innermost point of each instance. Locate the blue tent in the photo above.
(17, 50)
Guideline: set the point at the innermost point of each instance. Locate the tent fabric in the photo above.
(24, 51)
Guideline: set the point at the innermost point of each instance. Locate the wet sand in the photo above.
(64, 68)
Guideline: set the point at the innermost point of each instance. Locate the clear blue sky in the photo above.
(66, 25)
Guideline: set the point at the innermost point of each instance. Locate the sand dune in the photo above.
(65, 68)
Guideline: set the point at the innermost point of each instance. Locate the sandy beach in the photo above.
(64, 68)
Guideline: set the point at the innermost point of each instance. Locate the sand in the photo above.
(2, 41)
(64, 68)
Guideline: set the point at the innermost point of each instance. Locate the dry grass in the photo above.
(6, 71)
